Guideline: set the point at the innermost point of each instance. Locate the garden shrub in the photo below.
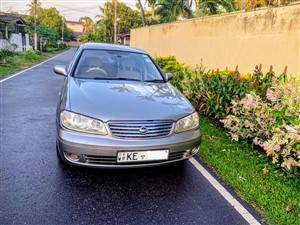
(30, 55)
(50, 46)
(5, 53)
(171, 65)
(259, 108)
(214, 91)
(271, 121)
(211, 92)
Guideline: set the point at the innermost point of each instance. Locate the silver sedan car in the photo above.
(117, 109)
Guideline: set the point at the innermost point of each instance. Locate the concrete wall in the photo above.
(268, 36)
(4, 44)
(17, 39)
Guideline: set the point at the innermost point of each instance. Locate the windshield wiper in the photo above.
(104, 78)
(155, 81)
(123, 78)
(113, 78)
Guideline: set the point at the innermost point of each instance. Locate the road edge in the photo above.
(225, 193)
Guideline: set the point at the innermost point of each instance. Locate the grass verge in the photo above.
(273, 193)
(20, 61)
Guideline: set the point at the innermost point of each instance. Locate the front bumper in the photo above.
(101, 151)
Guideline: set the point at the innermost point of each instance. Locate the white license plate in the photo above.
(138, 156)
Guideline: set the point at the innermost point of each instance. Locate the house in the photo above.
(76, 27)
(124, 39)
(12, 32)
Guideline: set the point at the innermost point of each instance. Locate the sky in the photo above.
(70, 9)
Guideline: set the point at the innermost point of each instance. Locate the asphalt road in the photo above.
(36, 189)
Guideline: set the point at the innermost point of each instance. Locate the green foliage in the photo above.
(260, 108)
(29, 55)
(92, 37)
(5, 54)
(171, 10)
(215, 91)
(104, 29)
(211, 92)
(23, 60)
(171, 65)
(47, 17)
(47, 32)
(51, 18)
(68, 34)
(88, 24)
(208, 7)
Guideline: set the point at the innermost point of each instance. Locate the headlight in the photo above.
(187, 123)
(81, 123)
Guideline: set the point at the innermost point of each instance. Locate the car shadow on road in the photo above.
(148, 175)
(129, 191)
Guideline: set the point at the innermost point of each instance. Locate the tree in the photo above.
(68, 34)
(210, 7)
(32, 5)
(38, 11)
(14, 13)
(152, 4)
(51, 18)
(127, 19)
(88, 23)
(142, 13)
(171, 10)
(47, 32)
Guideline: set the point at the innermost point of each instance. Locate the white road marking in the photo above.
(238, 207)
(5, 79)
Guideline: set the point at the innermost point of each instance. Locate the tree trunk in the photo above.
(197, 4)
(142, 12)
(153, 10)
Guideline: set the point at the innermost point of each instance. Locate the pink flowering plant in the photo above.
(261, 108)
(271, 122)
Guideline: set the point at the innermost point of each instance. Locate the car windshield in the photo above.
(116, 65)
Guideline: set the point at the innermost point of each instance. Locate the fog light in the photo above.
(73, 156)
(194, 150)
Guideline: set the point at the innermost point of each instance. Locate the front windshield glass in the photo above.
(116, 65)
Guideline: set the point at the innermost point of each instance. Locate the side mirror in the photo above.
(169, 76)
(61, 70)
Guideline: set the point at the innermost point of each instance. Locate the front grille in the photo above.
(177, 155)
(133, 129)
(112, 160)
(94, 159)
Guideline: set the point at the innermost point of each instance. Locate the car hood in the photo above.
(127, 100)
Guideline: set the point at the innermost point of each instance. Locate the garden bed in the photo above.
(258, 153)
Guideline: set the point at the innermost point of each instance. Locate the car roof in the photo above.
(105, 46)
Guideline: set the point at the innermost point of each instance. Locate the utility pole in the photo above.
(115, 21)
(35, 34)
(105, 5)
(62, 29)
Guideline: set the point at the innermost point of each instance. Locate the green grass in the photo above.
(275, 195)
(22, 61)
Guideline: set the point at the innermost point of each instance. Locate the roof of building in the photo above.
(7, 18)
(74, 22)
(124, 35)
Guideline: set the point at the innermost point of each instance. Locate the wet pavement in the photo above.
(37, 189)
